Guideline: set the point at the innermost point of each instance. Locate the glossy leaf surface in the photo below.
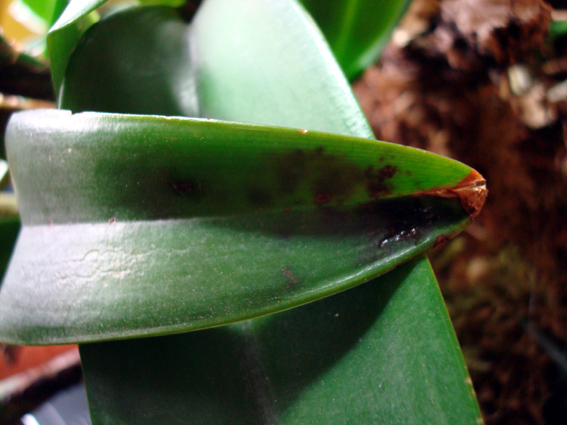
(164, 206)
(382, 353)
(357, 30)
(139, 225)
(214, 80)
(125, 40)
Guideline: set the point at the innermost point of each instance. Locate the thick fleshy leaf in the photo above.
(380, 353)
(74, 17)
(190, 84)
(357, 30)
(295, 80)
(383, 352)
(125, 80)
(181, 211)
(64, 35)
(247, 191)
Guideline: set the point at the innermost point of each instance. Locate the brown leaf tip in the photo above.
(472, 193)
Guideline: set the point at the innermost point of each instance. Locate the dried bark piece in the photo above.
(507, 31)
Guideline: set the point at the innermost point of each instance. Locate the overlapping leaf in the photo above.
(357, 30)
(181, 212)
(172, 216)
(383, 352)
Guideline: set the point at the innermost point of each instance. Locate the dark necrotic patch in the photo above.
(332, 178)
(376, 180)
(289, 170)
(259, 197)
(186, 188)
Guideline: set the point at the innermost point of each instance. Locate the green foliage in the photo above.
(126, 40)
(557, 29)
(140, 225)
(172, 3)
(297, 216)
(357, 30)
(42, 8)
(76, 17)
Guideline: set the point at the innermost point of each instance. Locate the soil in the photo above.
(481, 81)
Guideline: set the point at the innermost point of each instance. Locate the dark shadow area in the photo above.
(9, 230)
(297, 347)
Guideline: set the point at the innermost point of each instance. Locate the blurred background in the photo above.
(482, 81)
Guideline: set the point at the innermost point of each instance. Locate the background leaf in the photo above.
(171, 3)
(124, 42)
(357, 30)
(76, 17)
(42, 8)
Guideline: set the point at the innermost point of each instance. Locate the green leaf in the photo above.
(182, 211)
(125, 41)
(557, 29)
(383, 353)
(74, 18)
(66, 32)
(171, 3)
(42, 8)
(270, 65)
(357, 30)
(202, 83)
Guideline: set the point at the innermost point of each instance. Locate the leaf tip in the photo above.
(472, 193)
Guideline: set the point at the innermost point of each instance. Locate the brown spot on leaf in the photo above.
(441, 239)
(291, 278)
(323, 198)
(327, 176)
(182, 187)
(376, 180)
